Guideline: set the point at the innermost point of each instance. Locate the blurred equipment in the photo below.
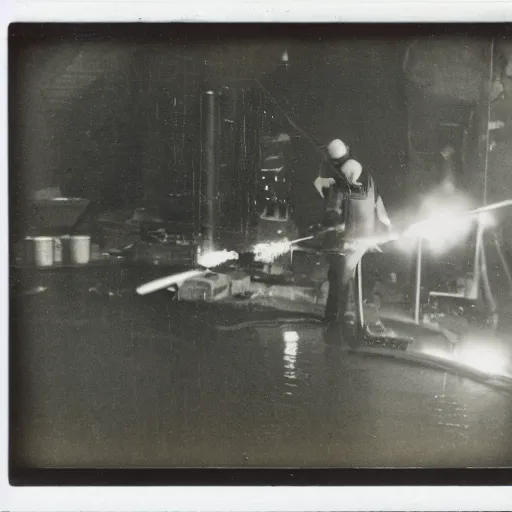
(240, 283)
(167, 243)
(210, 287)
(308, 265)
(473, 307)
(273, 198)
(158, 253)
(57, 214)
(457, 317)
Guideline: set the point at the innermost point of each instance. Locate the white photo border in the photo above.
(225, 498)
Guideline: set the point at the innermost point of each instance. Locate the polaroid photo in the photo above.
(259, 256)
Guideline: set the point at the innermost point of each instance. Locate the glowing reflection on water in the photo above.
(290, 339)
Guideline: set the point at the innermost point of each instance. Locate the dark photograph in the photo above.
(256, 246)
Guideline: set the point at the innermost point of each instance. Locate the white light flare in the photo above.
(442, 231)
(216, 258)
(482, 356)
(268, 252)
(446, 223)
(486, 219)
(478, 354)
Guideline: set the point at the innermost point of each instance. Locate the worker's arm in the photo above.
(323, 181)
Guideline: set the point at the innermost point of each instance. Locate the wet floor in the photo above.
(132, 381)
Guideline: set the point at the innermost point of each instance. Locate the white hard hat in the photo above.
(352, 169)
(337, 149)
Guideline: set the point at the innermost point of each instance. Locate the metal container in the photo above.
(60, 213)
(80, 249)
(209, 288)
(39, 251)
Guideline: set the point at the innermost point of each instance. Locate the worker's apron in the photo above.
(357, 212)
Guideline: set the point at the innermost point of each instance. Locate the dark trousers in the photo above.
(342, 277)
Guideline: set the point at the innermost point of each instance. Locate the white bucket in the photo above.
(80, 249)
(42, 247)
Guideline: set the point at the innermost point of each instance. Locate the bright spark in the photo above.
(216, 258)
(268, 252)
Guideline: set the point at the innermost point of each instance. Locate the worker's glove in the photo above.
(321, 183)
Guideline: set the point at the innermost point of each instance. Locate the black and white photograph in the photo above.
(260, 246)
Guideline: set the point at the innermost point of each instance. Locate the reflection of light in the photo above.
(291, 337)
(215, 258)
(436, 352)
(290, 354)
(478, 356)
(481, 356)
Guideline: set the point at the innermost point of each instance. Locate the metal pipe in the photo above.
(418, 281)
(484, 275)
(489, 101)
(490, 207)
(199, 197)
(360, 309)
(504, 263)
(477, 262)
(210, 169)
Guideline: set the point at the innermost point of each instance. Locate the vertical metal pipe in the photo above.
(210, 168)
(244, 218)
(200, 192)
(503, 262)
(359, 305)
(484, 277)
(475, 289)
(487, 131)
(418, 281)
